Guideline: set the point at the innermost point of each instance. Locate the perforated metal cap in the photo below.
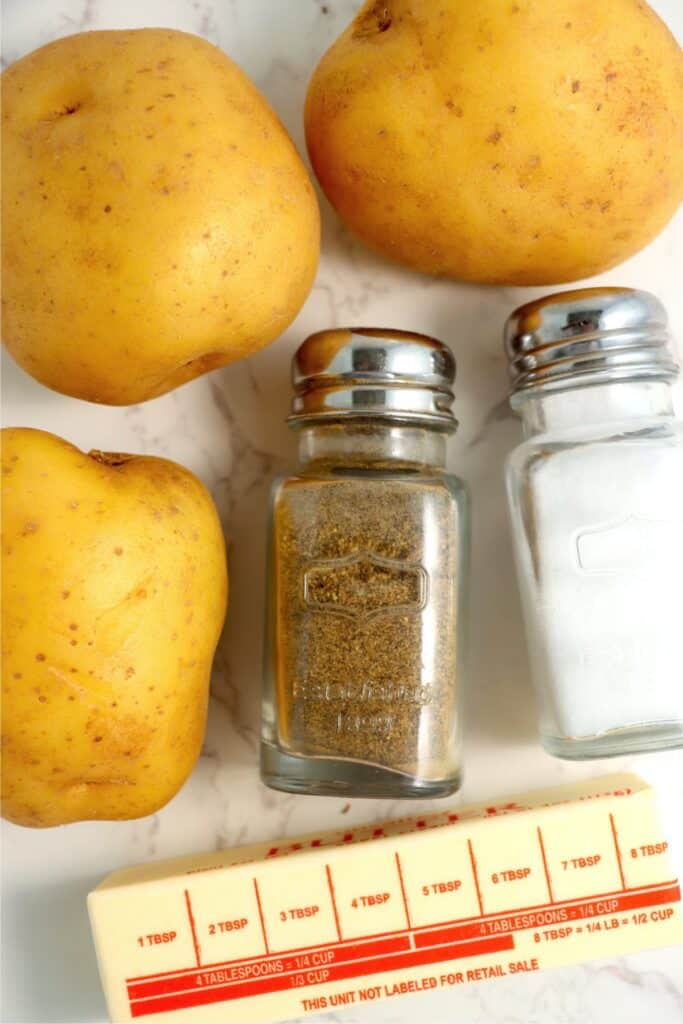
(591, 335)
(366, 372)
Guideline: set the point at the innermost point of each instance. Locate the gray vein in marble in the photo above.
(81, 21)
(225, 692)
(207, 26)
(650, 980)
(499, 413)
(250, 466)
(144, 833)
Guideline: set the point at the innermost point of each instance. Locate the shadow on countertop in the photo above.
(49, 969)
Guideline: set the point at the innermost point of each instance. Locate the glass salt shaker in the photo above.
(596, 499)
(367, 567)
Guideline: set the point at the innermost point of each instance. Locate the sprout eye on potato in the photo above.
(517, 143)
(157, 219)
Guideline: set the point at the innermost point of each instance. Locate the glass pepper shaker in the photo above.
(367, 567)
(596, 499)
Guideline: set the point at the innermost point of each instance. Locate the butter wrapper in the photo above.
(277, 930)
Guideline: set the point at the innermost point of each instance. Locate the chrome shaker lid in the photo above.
(588, 336)
(364, 372)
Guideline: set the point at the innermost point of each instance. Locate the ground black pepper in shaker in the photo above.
(368, 556)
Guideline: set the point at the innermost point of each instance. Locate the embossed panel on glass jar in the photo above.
(365, 670)
(367, 565)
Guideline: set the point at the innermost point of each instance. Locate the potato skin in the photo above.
(114, 590)
(157, 219)
(502, 142)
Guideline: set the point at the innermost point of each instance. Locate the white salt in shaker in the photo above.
(596, 500)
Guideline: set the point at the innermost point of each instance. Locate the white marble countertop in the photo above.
(228, 427)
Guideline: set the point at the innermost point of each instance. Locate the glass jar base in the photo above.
(323, 776)
(635, 739)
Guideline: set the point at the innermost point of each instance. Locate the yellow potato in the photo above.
(113, 597)
(521, 142)
(157, 219)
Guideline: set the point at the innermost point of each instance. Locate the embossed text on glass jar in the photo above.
(368, 548)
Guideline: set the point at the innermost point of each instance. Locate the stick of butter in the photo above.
(275, 931)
